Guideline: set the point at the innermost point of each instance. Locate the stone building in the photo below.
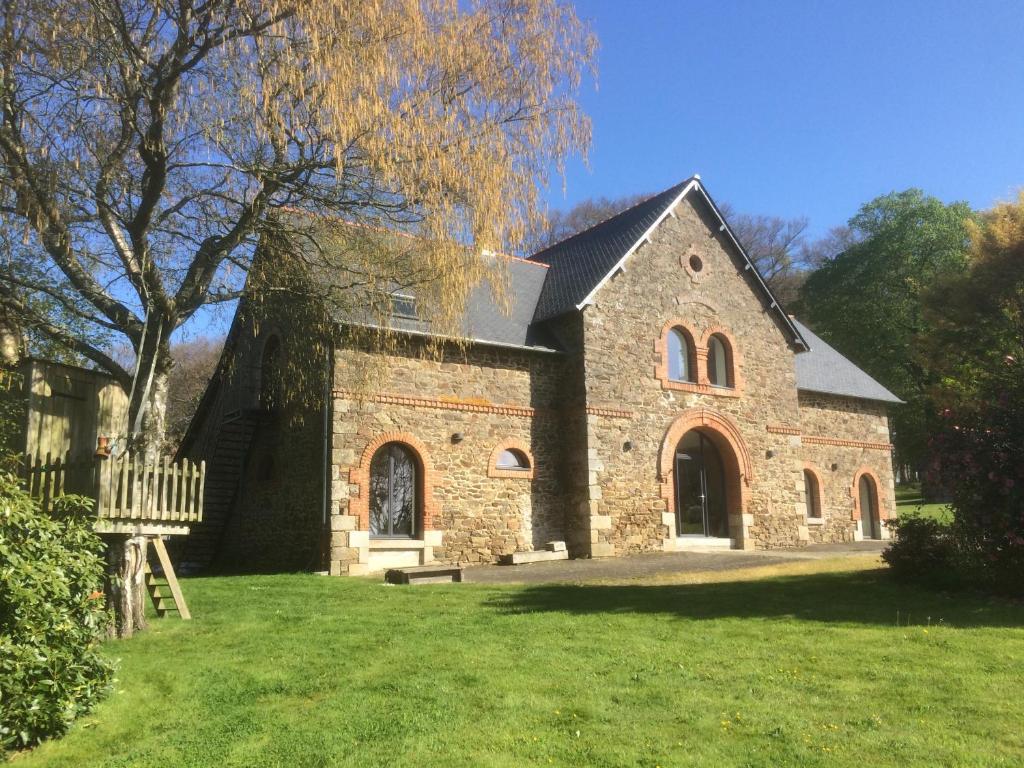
(646, 392)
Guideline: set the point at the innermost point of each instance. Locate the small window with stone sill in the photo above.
(513, 460)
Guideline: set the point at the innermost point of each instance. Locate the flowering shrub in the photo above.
(51, 616)
(979, 460)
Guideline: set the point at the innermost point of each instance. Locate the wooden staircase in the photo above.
(173, 600)
(224, 472)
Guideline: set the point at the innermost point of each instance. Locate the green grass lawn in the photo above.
(800, 670)
(909, 502)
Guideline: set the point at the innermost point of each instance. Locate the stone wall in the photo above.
(852, 436)
(630, 500)
(268, 475)
(453, 407)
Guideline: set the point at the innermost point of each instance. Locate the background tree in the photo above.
(194, 364)
(869, 299)
(976, 347)
(145, 148)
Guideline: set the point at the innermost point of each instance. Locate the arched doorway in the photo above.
(870, 521)
(394, 492)
(700, 487)
(727, 473)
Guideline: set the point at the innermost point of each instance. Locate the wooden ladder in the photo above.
(175, 601)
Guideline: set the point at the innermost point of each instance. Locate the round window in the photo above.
(695, 263)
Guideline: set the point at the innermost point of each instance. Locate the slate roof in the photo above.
(485, 321)
(580, 262)
(823, 369)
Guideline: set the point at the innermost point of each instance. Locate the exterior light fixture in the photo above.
(628, 445)
(457, 437)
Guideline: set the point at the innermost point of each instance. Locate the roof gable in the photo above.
(582, 264)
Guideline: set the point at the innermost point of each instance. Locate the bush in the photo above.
(51, 616)
(925, 552)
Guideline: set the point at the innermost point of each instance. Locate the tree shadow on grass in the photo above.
(862, 597)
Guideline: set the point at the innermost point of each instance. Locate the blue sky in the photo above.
(805, 108)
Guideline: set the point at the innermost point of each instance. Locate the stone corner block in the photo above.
(600, 522)
(433, 538)
(344, 522)
(359, 538)
(602, 549)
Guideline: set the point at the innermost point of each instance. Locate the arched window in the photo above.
(720, 372)
(270, 374)
(394, 481)
(870, 522)
(512, 459)
(682, 363)
(812, 495)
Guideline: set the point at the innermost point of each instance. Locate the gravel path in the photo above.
(638, 566)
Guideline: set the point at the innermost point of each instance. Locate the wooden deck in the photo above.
(130, 495)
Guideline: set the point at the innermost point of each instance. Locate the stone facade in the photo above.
(455, 408)
(598, 422)
(841, 439)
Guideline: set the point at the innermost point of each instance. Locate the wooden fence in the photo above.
(124, 489)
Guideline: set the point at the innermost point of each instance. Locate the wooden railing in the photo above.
(129, 488)
(124, 489)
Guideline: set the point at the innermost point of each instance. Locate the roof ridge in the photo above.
(623, 212)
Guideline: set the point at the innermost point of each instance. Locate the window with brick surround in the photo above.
(720, 364)
(512, 459)
(812, 495)
(682, 356)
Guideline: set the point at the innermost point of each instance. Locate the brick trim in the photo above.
(698, 348)
(517, 474)
(359, 498)
(780, 429)
(613, 413)
(816, 474)
(815, 440)
(453, 404)
(470, 406)
(738, 467)
(883, 513)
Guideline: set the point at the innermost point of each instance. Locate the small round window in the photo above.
(696, 264)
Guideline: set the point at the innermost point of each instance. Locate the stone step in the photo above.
(537, 556)
(702, 543)
(424, 574)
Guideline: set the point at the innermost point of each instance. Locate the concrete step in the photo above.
(424, 574)
(539, 556)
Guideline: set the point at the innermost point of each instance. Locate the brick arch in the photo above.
(816, 474)
(511, 444)
(883, 513)
(734, 359)
(726, 437)
(359, 498)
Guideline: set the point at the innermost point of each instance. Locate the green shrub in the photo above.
(925, 551)
(51, 616)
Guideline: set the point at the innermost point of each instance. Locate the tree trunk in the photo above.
(147, 411)
(126, 583)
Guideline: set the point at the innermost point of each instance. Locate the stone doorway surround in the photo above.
(353, 551)
(726, 437)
